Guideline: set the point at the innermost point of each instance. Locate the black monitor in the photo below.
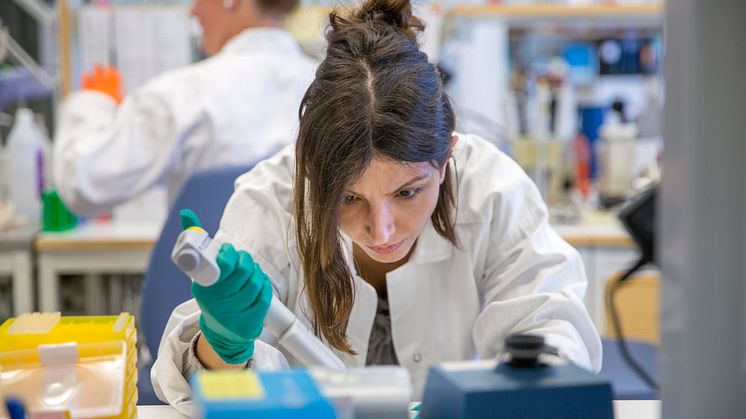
(638, 217)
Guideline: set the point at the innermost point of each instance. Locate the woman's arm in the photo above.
(533, 282)
(105, 154)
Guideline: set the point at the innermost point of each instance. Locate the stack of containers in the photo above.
(29, 331)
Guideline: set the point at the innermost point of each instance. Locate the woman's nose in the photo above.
(381, 225)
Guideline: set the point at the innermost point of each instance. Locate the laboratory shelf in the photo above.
(644, 14)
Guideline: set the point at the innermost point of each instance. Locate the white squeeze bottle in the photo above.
(26, 152)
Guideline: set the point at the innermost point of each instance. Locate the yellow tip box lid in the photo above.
(33, 329)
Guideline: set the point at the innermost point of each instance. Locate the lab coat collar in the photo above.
(272, 39)
(431, 247)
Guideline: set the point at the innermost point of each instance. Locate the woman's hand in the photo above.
(106, 80)
(233, 309)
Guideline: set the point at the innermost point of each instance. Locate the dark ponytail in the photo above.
(375, 94)
(396, 14)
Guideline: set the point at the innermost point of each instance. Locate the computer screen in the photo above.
(638, 216)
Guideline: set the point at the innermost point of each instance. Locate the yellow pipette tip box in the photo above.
(21, 337)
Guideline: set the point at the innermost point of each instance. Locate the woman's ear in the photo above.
(454, 140)
(230, 4)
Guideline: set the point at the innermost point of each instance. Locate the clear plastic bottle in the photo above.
(617, 155)
(27, 151)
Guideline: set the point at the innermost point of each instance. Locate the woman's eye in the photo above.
(349, 199)
(409, 193)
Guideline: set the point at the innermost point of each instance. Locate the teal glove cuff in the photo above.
(233, 309)
(229, 351)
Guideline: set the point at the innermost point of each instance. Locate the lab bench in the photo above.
(16, 247)
(606, 249)
(98, 248)
(92, 249)
(623, 409)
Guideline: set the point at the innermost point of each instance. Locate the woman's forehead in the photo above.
(388, 174)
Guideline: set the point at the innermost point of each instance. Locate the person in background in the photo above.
(396, 240)
(235, 107)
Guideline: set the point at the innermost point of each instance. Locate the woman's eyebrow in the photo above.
(415, 179)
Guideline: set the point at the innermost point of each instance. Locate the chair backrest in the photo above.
(165, 286)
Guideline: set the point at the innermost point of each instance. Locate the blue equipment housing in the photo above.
(521, 388)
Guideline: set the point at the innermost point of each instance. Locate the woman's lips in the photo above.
(386, 249)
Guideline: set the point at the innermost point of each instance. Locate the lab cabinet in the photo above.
(601, 262)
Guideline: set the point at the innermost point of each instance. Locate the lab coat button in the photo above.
(417, 357)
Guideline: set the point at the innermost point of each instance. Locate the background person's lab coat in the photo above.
(230, 109)
(513, 273)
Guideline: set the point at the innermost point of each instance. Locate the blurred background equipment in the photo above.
(640, 308)
(538, 75)
(639, 218)
(29, 162)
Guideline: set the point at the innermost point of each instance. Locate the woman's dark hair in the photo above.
(375, 95)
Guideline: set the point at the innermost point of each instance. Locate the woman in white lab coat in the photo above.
(396, 240)
(233, 108)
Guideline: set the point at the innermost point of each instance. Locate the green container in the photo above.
(56, 216)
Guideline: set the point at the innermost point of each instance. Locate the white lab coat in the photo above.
(230, 109)
(512, 273)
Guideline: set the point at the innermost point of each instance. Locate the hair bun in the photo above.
(394, 13)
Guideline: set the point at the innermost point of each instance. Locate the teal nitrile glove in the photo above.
(233, 309)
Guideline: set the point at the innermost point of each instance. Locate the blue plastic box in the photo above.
(276, 394)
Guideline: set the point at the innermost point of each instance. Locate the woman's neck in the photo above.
(374, 272)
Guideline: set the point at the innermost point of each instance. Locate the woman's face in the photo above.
(388, 207)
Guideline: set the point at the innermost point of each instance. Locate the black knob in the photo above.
(524, 350)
